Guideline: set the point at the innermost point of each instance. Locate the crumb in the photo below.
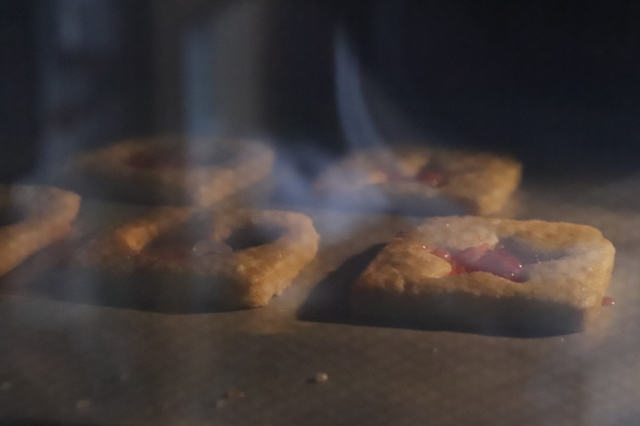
(233, 394)
(319, 377)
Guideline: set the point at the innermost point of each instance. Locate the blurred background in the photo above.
(556, 83)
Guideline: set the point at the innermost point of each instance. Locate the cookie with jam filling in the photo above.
(488, 275)
(174, 170)
(423, 179)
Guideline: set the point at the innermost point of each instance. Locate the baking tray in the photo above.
(79, 360)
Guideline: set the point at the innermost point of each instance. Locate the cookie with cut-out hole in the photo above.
(490, 275)
(174, 170)
(243, 257)
(422, 178)
(33, 218)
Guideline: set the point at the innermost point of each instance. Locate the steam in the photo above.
(355, 118)
(369, 116)
(359, 131)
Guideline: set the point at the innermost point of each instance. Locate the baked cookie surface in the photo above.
(37, 216)
(480, 182)
(242, 257)
(178, 171)
(494, 274)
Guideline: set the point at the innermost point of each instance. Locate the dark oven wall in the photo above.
(555, 83)
(73, 75)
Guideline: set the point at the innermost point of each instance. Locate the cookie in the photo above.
(34, 217)
(488, 275)
(422, 179)
(176, 171)
(236, 259)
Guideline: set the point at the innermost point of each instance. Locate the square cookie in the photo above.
(488, 275)
(229, 259)
(424, 179)
(174, 170)
(33, 218)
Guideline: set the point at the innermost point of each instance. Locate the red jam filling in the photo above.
(482, 258)
(608, 301)
(432, 177)
(507, 259)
